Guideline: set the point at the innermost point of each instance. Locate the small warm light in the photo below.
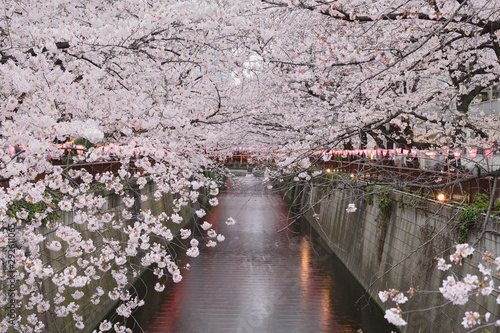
(328, 170)
(441, 197)
(352, 175)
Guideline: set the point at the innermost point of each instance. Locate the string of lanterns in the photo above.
(408, 153)
(326, 154)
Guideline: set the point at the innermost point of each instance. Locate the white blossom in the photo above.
(206, 225)
(230, 221)
(394, 316)
(441, 265)
(185, 233)
(351, 208)
(193, 252)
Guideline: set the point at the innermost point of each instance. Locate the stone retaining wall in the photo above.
(402, 255)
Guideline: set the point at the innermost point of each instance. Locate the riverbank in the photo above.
(390, 241)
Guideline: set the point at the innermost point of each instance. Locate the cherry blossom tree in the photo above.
(150, 86)
(399, 74)
(147, 86)
(455, 290)
(392, 73)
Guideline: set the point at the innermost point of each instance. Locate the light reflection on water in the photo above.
(260, 281)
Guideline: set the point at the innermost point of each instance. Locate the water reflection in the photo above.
(259, 280)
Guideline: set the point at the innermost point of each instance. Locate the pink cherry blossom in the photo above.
(351, 208)
(394, 316)
(206, 225)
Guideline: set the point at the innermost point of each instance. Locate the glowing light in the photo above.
(328, 170)
(441, 197)
(352, 175)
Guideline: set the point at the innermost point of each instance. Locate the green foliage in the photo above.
(313, 168)
(218, 178)
(84, 142)
(369, 195)
(341, 175)
(32, 209)
(401, 204)
(469, 216)
(333, 179)
(384, 205)
(482, 201)
(415, 200)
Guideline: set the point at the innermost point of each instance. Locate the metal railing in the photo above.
(456, 187)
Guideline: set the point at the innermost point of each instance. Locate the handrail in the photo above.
(456, 186)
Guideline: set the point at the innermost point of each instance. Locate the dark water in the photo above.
(259, 280)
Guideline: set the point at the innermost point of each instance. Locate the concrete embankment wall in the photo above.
(398, 250)
(94, 313)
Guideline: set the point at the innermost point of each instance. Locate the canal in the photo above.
(259, 280)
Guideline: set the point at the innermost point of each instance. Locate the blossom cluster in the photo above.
(351, 208)
(100, 241)
(457, 291)
(394, 315)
